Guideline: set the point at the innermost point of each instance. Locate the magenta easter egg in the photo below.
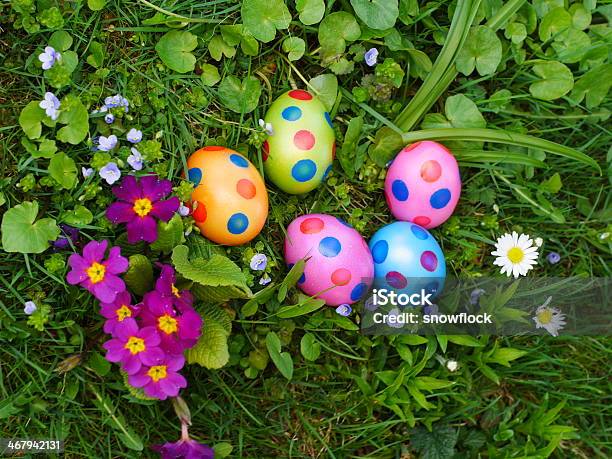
(339, 268)
(423, 184)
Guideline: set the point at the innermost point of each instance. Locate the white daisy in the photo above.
(515, 254)
(551, 319)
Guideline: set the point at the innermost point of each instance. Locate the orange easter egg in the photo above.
(230, 200)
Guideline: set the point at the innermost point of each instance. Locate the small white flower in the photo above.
(539, 241)
(49, 57)
(29, 308)
(87, 171)
(107, 143)
(183, 210)
(51, 105)
(452, 365)
(495, 208)
(110, 173)
(551, 319)
(134, 135)
(515, 254)
(135, 160)
(267, 127)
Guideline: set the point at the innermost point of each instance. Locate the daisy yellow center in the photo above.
(123, 313)
(142, 207)
(135, 345)
(175, 291)
(157, 372)
(96, 273)
(545, 316)
(516, 255)
(167, 324)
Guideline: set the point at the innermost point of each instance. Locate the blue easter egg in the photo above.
(407, 259)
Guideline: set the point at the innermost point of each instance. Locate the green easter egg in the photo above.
(299, 154)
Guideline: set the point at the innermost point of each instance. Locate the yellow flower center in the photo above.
(123, 312)
(545, 316)
(142, 207)
(96, 273)
(167, 324)
(516, 255)
(157, 372)
(175, 291)
(135, 345)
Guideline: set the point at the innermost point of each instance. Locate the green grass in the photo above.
(337, 406)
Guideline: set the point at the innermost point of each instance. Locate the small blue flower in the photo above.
(87, 171)
(109, 118)
(107, 143)
(135, 160)
(183, 210)
(475, 296)
(344, 310)
(134, 135)
(110, 173)
(371, 56)
(259, 262)
(51, 105)
(553, 258)
(265, 280)
(29, 308)
(49, 57)
(432, 310)
(116, 101)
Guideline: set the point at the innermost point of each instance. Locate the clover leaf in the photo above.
(594, 85)
(326, 87)
(63, 170)
(336, 29)
(31, 118)
(74, 115)
(263, 17)
(311, 11)
(377, 14)
(21, 234)
(210, 75)
(240, 96)
(482, 51)
(174, 49)
(294, 47)
(556, 80)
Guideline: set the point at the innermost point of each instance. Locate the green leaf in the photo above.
(346, 155)
(571, 46)
(169, 234)
(139, 276)
(552, 184)
(294, 47)
(556, 80)
(505, 355)
(114, 418)
(63, 169)
(336, 29)
(555, 21)
(463, 113)
(240, 96)
(96, 56)
(98, 364)
(377, 14)
(96, 5)
(263, 17)
(311, 11)
(306, 306)
(594, 85)
(21, 234)
(310, 347)
(174, 49)
(291, 279)
(217, 47)
(74, 115)
(211, 350)
(464, 340)
(79, 216)
(387, 144)
(60, 40)
(232, 34)
(30, 119)
(437, 444)
(210, 75)
(482, 51)
(222, 450)
(326, 87)
(282, 360)
(45, 149)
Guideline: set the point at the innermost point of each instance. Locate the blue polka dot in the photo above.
(239, 160)
(380, 251)
(440, 198)
(327, 171)
(329, 247)
(304, 170)
(358, 291)
(419, 232)
(302, 278)
(400, 190)
(238, 223)
(195, 175)
(328, 119)
(292, 113)
(343, 222)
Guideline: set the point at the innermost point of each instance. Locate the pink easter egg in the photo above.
(423, 184)
(339, 268)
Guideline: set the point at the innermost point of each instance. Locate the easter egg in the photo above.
(407, 259)
(299, 153)
(339, 265)
(423, 184)
(229, 200)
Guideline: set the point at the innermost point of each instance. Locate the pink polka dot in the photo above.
(300, 94)
(266, 150)
(311, 225)
(422, 221)
(341, 277)
(199, 214)
(429, 261)
(304, 140)
(396, 280)
(431, 171)
(246, 189)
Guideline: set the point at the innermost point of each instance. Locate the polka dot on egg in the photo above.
(292, 113)
(440, 198)
(304, 170)
(429, 261)
(213, 148)
(419, 232)
(341, 277)
(304, 140)
(265, 150)
(399, 190)
(327, 171)
(239, 160)
(199, 214)
(195, 175)
(396, 280)
(380, 251)
(246, 188)
(358, 291)
(431, 171)
(422, 220)
(328, 119)
(311, 225)
(300, 94)
(330, 247)
(302, 278)
(343, 222)
(237, 223)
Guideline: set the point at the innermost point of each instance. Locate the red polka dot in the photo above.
(304, 140)
(341, 277)
(266, 150)
(429, 261)
(213, 148)
(396, 280)
(412, 146)
(311, 225)
(199, 214)
(431, 171)
(422, 221)
(300, 95)
(246, 189)
(334, 151)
